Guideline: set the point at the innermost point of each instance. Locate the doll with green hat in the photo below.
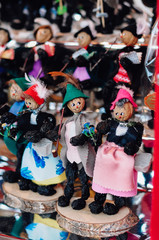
(77, 160)
(16, 146)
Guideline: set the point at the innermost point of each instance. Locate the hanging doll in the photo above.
(37, 58)
(130, 63)
(42, 170)
(82, 60)
(77, 160)
(114, 171)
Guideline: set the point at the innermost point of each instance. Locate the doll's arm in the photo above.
(79, 140)
(52, 134)
(133, 147)
(103, 127)
(8, 118)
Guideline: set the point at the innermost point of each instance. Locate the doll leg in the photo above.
(11, 176)
(71, 175)
(81, 202)
(112, 209)
(46, 190)
(96, 207)
(24, 184)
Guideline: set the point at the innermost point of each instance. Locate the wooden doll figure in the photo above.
(130, 63)
(40, 171)
(77, 160)
(82, 59)
(114, 171)
(16, 146)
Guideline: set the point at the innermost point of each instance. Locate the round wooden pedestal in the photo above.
(84, 223)
(29, 201)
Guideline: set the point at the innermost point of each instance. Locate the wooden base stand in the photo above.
(86, 224)
(29, 201)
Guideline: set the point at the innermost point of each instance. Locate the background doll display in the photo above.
(77, 160)
(115, 157)
(4, 45)
(37, 58)
(130, 65)
(84, 59)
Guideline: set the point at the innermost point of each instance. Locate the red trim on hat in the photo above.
(33, 93)
(123, 93)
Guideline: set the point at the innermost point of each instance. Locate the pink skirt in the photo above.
(114, 171)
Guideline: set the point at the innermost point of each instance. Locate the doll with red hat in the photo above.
(78, 159)
(40, 171)
(43, 170)
(114, 171)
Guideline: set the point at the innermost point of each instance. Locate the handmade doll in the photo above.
(43, 170)
(77, 160)
(16, 146)
(37, 58)
(129, 67)
(83, 59)
(114, 171)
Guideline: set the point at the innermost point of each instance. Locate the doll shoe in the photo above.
(96, 207)
(11, 177)
(63, 201)
(78, 204)
(110, 209)
(46, 190)
(24, 184)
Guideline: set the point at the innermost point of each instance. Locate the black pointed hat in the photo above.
(87, 30)
(133, 29)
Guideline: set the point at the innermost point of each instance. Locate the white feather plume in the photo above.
(40, 87)
(126, 88)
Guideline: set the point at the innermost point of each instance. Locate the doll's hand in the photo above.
(82, 62)
(131, 148)
(4, 109)
(78, 140)
(42, 53)
(8, 118)
(33, 136)
(46, 127)
(13, 132)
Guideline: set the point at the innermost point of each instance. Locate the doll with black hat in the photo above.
(83, 59)
(130, 65)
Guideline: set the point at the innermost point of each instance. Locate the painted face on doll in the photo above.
(16, 92)
(76, 105)
(3, 37)
(124, 112)
(128, 38)
(31, 103)
(43, 35)
(83, 39)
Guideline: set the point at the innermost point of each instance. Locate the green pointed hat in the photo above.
(22, 83)
(71, 93)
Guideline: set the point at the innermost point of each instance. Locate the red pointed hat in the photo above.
(32, 92)
(124, 93)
